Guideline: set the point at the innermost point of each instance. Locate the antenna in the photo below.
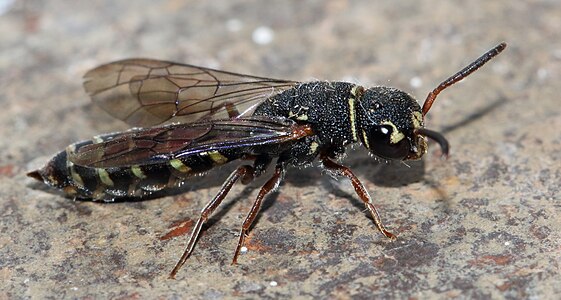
(478, 63)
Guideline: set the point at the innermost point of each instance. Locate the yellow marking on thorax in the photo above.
(104, 177)
(365, 139)
(301, 115)
(313, 148)
(352, 116)
(352, 111)
(417, 118)
(396, 135)
(179, 165)
(137, 171)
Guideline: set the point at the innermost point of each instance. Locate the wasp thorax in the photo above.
(388, 120)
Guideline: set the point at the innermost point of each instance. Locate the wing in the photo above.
(146, 92)
(160, 144)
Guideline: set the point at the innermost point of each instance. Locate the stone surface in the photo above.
(482, 224)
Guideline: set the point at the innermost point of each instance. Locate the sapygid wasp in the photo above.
(214, 117)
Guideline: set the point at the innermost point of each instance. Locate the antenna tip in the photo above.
(500, 47)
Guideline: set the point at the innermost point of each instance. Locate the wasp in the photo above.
(188, 120)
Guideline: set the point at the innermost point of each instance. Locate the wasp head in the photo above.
(390, 123)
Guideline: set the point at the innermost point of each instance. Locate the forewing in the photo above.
(146, 92)
(160, 144)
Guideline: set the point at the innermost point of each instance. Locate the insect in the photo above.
(214, 117)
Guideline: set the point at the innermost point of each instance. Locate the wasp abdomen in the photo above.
(121, 182)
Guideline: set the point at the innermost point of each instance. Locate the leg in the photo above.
(243, 172)
(267, 188)
(360, 190)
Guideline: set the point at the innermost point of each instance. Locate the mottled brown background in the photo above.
(484, 223)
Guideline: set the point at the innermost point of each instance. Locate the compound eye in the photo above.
(381, 144)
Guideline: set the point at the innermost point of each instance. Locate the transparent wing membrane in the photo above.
(146, 92)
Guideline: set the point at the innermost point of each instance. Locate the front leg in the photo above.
(360, 191)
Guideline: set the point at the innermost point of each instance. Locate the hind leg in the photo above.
(267, 188)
